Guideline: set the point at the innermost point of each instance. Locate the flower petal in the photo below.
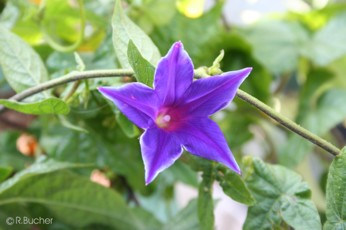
(137, 101)
(174, 74)
(202, 137)
(208, 95)
(159, 151)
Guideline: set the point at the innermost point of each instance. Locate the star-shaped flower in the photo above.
(175, 113)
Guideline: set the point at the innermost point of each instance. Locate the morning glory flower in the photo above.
(175, 112)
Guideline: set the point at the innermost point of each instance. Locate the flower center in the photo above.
(163, 120)
(170, 118)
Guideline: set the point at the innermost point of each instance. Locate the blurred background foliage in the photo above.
(299, 69)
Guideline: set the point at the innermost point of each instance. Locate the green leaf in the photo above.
(68, 202)
(125, 30)
(5, 172)
(324, 48)
(21, 65)
(279, 52)
(9, 154)
(126, 125)
(46, 106)
(204, 31)
(336, 196)
(147, 218)
(205, 199)
(41, 166)
(185, 219)
(282, 197)
(80, 63)
(144, 71)
(62, 25)
(129, 129)
(181, 172)
(66, 123)
(234, 186)
(150, 14)
(107, 147)
(13, 211)
(330, 105)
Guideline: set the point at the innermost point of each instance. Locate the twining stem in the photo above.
(71, 77)
(287, 123)
(282, 120)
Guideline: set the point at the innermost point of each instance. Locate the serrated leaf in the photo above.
(185, 219)
(336, 196)
(21, 65)
(281, 196)
(124, 30)
(234, 186)
(205, 199)
(300, 214)
(144, 71)
(46, 106)
(69, 203)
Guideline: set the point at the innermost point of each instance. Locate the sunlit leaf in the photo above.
(124, 30)
(191, 8)
(280, 51)
(21, 65)
(63, 24)
(327, 44)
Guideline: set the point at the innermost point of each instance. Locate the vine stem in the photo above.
(288, 124)
(282, 120)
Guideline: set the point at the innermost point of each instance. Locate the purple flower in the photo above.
(175, 114)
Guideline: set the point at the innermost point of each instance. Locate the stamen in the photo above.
(163, 120)
(166, 118)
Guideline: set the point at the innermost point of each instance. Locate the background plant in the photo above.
(299, 70)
